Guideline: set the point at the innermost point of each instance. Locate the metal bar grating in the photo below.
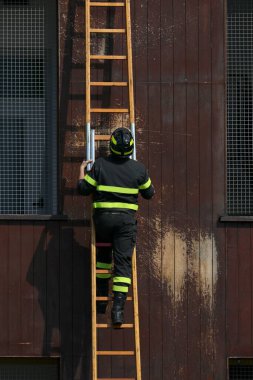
(27, 107)
(239, 108)
(240, 369)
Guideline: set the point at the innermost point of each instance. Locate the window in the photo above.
(240, 368)
(239, 108)
(28, 107)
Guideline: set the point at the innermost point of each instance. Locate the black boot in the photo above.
(118, 308)
(102, 291)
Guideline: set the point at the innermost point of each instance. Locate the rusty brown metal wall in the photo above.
(195, 274)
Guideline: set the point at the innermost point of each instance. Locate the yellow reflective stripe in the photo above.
(115, 151)
(131, 142)
(114, 140)
(123, 289)
(129, 206)
(127, 153)
(104, 275)
(103, 265)
(145, 185)
(125, 280)
(115, 189)
(90, 180)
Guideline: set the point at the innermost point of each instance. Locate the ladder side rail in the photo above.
(93, 301)
(130, 73)
(87, 79)
(136, 318)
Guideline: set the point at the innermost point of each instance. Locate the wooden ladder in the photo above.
(126, 56)
(135, 325)
(90, 154)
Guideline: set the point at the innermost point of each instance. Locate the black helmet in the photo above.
(122, 142)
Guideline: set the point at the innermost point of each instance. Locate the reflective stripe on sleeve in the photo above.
(145, 185)
(125, 280)
(90, 180)
(129, 206)
(116, 189)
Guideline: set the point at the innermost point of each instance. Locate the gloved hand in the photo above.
(83, 166)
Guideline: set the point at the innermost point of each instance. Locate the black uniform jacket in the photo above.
(115, 183)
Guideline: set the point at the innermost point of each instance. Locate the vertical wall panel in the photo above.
(14, 289)
(37, 277)
(51, 336)
(4, 289)
(205, 232)
(154, 121)
(232, 288)
(26, 290)
(167, 190)
(192, 153)
(167, 233)
(244, 288)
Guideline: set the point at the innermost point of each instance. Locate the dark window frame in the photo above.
(236, 216)
(58, 215)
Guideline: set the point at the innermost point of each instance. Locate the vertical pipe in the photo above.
(87, 55)
(87, 77)
(92, 145)
(133, 133)
(88, 143)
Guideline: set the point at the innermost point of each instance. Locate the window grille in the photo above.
(240, 369)
(239, 108)
(28, 106)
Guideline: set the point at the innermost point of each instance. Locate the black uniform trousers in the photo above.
(118, 228)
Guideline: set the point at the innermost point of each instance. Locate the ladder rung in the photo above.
(124, 84)
(111, 299)
(102, 137)
(108, 57)
(103, 271)
(103, 244)
(115, 378)
(95, 30)
(107, 110)
(123, 353)
(107, 326)
(105, 4)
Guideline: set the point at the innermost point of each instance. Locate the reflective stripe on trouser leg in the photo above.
(101, 265)
(118, 288)
(124, 280)
(121, 284)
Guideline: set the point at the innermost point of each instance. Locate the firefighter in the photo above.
(115, 182)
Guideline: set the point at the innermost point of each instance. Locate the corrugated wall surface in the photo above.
(195, 274)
